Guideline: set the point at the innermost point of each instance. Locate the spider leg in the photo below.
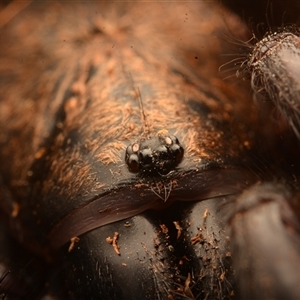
(265, 243)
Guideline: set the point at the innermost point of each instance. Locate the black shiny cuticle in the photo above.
(154, 156)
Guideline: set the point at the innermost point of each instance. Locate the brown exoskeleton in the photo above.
(129, 168)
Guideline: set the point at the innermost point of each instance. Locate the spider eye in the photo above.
(133, 163)
(174, 139)
(177, 152)
(131, 149)
(154, 156)
(146, 156)
(132, 159)
(162, 152)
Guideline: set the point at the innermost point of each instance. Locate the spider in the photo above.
(131, 169)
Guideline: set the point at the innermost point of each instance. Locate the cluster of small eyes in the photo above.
(158, 155)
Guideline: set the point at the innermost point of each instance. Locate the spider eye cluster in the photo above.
(157, 155)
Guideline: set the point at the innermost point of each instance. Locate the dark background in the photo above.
(276, 13)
